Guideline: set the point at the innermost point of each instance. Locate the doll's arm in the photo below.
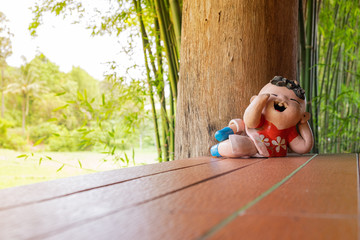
(252, 115)
(237, 125)
(305, 141)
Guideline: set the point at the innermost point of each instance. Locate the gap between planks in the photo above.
(107, 214)
(92, 223)
(241, 210)
(107, 185)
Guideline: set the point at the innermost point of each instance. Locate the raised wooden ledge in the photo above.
(297, 197)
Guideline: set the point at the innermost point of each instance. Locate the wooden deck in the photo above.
(297, 197)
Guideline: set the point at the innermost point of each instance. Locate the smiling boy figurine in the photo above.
(274, 121)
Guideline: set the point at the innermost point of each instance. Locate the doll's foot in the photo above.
(214, 151)
(223, 134)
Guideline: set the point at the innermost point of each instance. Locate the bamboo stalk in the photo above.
(148, 78)
(160, 89)
(302, 41)
(172, 127)
(308, 59)
(173, 72)
(308, 48)
(325, 83)
(176, 19)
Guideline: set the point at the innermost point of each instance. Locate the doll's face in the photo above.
(284, 109)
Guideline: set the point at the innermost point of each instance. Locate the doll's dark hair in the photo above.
(290, 84)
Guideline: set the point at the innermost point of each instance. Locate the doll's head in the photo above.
(286, 106)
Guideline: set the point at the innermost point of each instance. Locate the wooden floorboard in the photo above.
(13, 197)
(57, 213)
(321, 199)
(269, 227)
(172, 216)
(296, 197)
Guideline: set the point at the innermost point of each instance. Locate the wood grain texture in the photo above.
(230, 50)
(319, 202)
(67, 211)
(23, 195)
(261, 227)
(188, 213)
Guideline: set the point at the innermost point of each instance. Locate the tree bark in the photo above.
(230, 49)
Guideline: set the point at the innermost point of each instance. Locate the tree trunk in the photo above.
(230, 49)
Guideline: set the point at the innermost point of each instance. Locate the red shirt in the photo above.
(272, 139)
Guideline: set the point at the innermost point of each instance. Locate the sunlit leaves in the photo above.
(116, 111)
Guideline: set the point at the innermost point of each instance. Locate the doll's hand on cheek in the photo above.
(261, 99)
(264, 96)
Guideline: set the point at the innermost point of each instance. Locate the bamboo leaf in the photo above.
(60, 93)
(60, 168)
(103, 99)
(80, 96)
(113, 150)
(126, 158)
(111, 134)
(39, 141)
(52, 120)
(61, 107)
(133, 156)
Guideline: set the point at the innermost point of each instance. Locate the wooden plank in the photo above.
(327, 185)
(188, 213)
(321, 201)
(252, 226)
(148, 221)
(57, 213)
(29, 194)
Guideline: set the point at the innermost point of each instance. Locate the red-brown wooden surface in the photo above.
(297, 197)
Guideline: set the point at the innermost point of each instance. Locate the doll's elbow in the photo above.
(302, 147)
(303, 151)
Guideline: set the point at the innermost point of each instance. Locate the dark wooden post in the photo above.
(230, 49)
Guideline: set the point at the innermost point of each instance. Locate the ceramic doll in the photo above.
(275, 120)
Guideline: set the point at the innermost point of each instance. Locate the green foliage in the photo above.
(74, 113)
(66, 141)
(331, 74)
(14, 140)
(85, 82)
(158, 23)
(339, 77)
(8, 139)
(4, 125)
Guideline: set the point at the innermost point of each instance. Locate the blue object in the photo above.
(223, 134)
(214, 151)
